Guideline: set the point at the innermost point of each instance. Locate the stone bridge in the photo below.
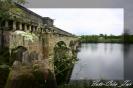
(31, 41)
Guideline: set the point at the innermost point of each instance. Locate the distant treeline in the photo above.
(106, 38)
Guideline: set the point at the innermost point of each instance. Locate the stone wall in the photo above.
(38, 53)
(28, 40)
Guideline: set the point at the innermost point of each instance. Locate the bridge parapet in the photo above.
(23, 19)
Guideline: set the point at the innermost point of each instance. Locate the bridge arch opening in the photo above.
(17, 54)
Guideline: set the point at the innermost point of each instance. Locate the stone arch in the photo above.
(60, 44)
(19, 54)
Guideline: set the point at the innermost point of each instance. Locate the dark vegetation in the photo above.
(128, 38)
(63, 63)
(4, 65)
(106, 38)
(3, 76)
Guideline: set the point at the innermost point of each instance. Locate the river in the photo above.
(104, 61)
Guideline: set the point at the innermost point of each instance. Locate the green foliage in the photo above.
(3, 76)
(63, 62)
(128, 38)
(87, 38)
(4, 56)
(101, 39)
(20, 1)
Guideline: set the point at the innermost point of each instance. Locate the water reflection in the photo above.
(99, 61)
(128, 61)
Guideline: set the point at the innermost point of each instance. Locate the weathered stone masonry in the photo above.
(31, 40)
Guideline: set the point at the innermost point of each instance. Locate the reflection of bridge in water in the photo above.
(30, 40)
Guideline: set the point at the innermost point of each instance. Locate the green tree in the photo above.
(101, 35)
(105, 36)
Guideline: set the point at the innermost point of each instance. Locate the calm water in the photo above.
(101, 61)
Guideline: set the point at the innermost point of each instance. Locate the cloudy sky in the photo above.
(86, 21)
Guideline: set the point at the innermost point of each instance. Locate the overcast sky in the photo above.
(86, 21)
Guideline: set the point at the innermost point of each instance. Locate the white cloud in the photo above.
(86, 21)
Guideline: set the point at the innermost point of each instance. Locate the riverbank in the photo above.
(106, 39)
